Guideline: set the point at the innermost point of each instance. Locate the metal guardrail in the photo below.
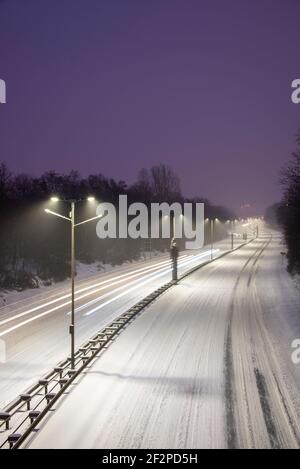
(40, 398)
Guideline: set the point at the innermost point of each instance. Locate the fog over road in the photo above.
(207, 365)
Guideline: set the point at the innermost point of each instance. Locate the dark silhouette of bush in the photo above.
(289, 212)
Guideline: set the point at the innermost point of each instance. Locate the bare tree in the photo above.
(165, 183)
(290, 179)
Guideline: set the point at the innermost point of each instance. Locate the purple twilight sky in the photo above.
(112, 86)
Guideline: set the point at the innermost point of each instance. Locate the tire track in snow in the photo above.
(278, 419)
(228, 359)
(278, 387)
(284, 403)
(266, 409)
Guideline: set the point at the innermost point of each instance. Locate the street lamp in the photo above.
(212, 229)
(173, 247)
(71, 219)
(211, 238)
(232, 222)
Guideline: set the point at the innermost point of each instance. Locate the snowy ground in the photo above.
(83, 272)
(34, 332)
(208, 365)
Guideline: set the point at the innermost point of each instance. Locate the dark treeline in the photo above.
(287, 213)
(35, 245)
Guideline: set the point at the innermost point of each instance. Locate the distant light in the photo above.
(54, 199)
(47, 210)
(91, 199)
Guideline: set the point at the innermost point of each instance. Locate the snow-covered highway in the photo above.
(207, 365)
(35, 330)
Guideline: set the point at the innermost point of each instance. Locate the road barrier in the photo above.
(41, 397)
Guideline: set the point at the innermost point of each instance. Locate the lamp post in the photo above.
(72, 325)
(174, 251)
(232, 235)
(71, 219)
(174, 256)
(211, 238)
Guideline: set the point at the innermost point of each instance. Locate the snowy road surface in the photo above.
(208, 365)
(35, 331)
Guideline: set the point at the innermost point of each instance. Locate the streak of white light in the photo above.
(118, 279)
(181, 263)
(140, 284)
(28, 321)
